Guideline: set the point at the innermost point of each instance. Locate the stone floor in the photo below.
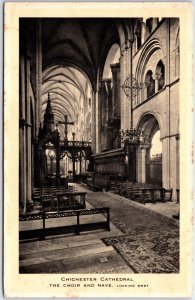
(143, 239)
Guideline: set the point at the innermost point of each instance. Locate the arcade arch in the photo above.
(149, 162)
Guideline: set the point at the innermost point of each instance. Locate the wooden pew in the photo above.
(63, 201)
(93, 187)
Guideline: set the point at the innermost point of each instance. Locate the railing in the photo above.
(79, 144)
(43, 232)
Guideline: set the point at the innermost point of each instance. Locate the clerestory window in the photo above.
(150, 84)
(160, 72)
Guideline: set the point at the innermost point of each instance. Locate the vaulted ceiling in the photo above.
(66, 87)
(82, 43)
(74, 52)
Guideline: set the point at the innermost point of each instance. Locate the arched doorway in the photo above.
(154, 160)
(149, 162)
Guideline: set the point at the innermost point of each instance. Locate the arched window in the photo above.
(160, 72)
(112, 58)
(150, 84)
(138, 32)
(149, 25)
(139, 40)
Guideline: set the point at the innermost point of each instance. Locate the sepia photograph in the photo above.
(99, 153)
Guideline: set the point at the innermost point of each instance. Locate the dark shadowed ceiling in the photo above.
(82, 43)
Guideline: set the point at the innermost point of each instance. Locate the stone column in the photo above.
(166, 162)
(156, 77)
(28, 139)
(103, 103)
(108, 86)
(116, 89)
(57, 166)
(38, 106)
(22, 191)
(104, 112)
(102, 109)
(141, 162)
(125, 105)
(143, 30)
(102, 94)
(177, 161)
(154, 23)
(25, 136)
(131, 171)
(109, 111)
(93, 129)
(22, 152)
(166, 143)
(99, 115)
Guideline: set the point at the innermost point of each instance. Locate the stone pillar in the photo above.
(28, 140)
(156, 77)
(103, 103)
(21, 168)
(101, 110)
(177, 161)
(38, 105)
(154, 23)
(143, 30)
(110, 99)
(166, 143)
(93, 129)
(141, 162)
(57, 166)
(166, 163)
(109, 107)
(106, 98)
(115, 68)
(22, 152)
(99, 115)
(125, 107)
(131, 171)
(174, 164)
(97, 123)
(25, 135)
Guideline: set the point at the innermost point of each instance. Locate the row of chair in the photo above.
(141, 192)
(62, 202)
(53, 190)
(58, 198)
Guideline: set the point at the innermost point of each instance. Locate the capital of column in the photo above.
(144, 146)
(113, 66)
(156, 76)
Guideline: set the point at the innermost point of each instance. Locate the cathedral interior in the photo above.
(99, 144)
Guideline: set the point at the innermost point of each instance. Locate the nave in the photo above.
(99, 144)
(99, 102)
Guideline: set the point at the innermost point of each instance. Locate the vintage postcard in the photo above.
(98, 175)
